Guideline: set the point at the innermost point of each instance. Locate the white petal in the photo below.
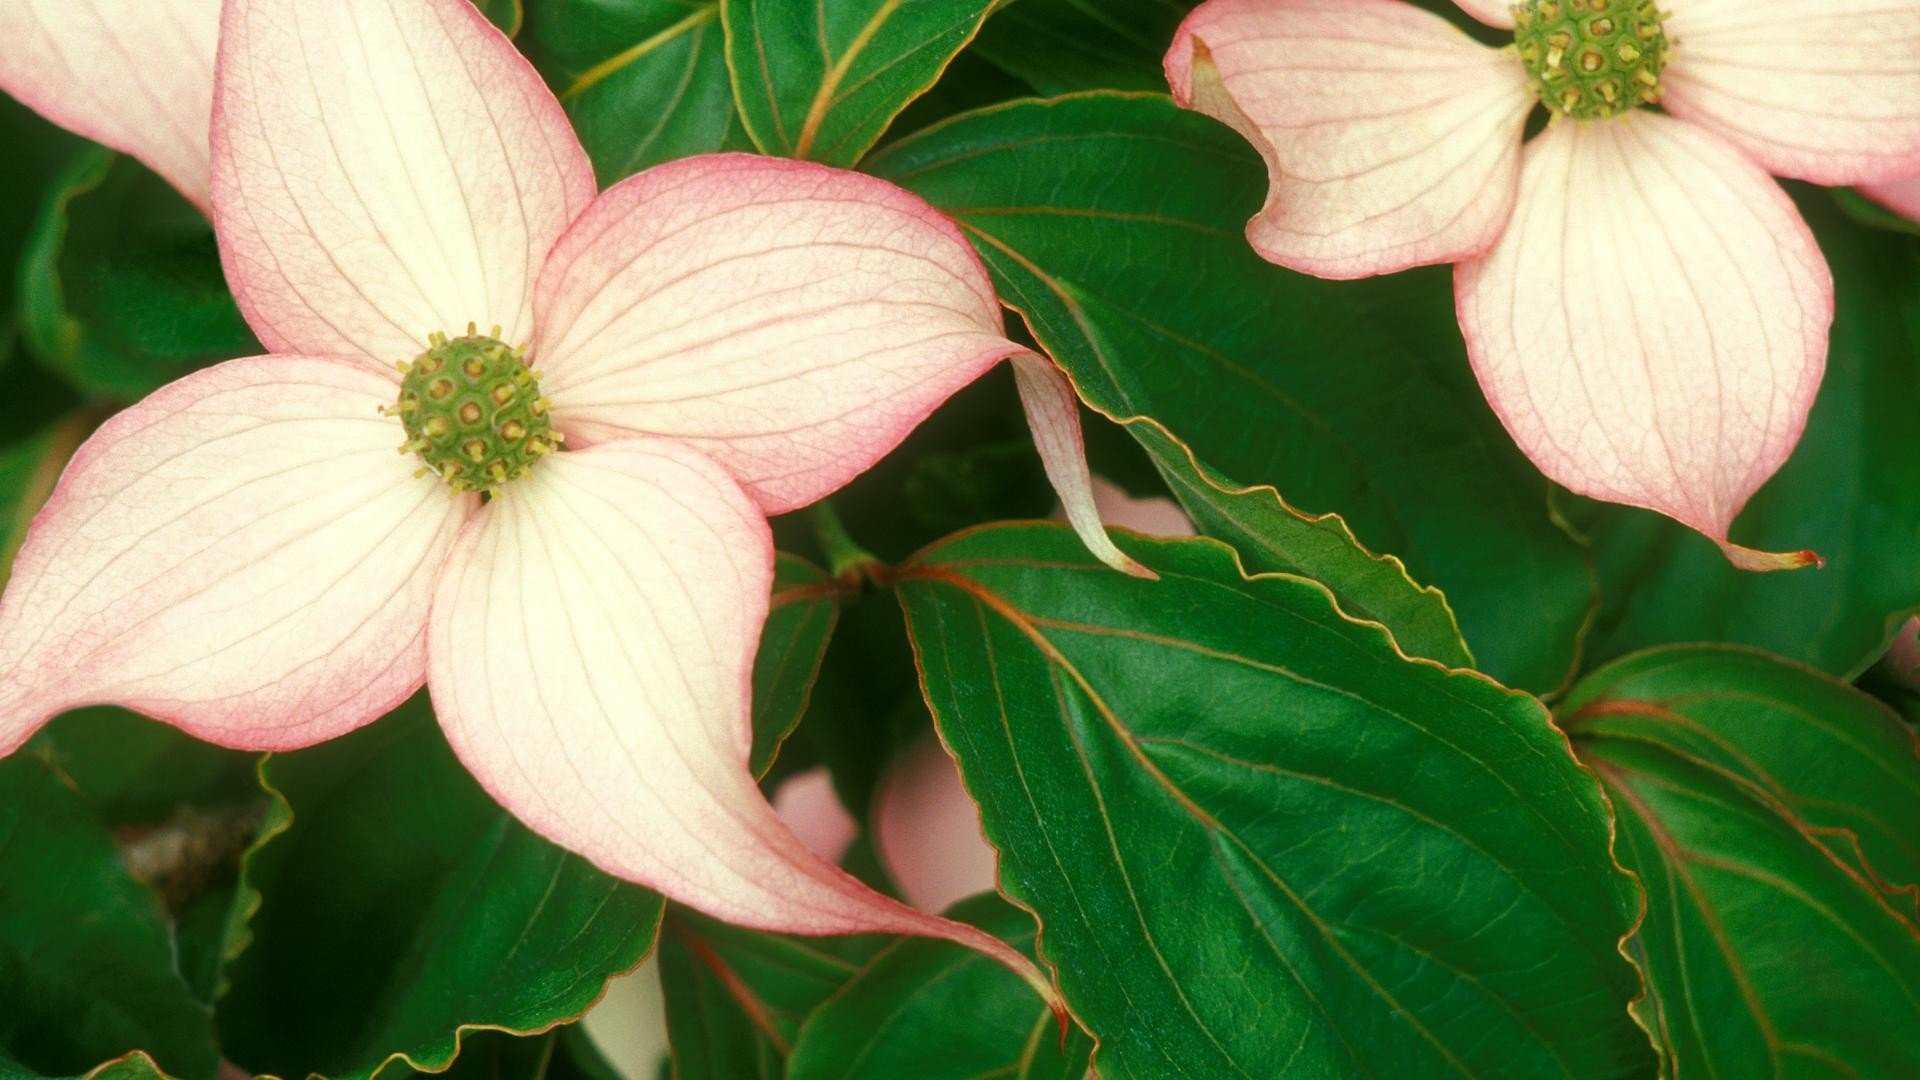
(792, 321)
(1822, 90)
(384, 169)
(1653, 327)
(1391, 138)
(243, 554)
(591, 658)
(135, 76)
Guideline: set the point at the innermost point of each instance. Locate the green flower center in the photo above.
(473, 411)
(1591, 59)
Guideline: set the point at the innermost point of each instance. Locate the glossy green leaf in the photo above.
(1349, 397)
(184, 811)
(1273, 537)
(822, 81)
(135, 771)
(806, 605)
(1258, 840)
(644, 81)
(1848, 492)
(398, 905)
(934, 1011)
(1061, 46)
(86, 965)
(505, 14)
(736, 998)
(564, 1053)
(1769, 813)
(120, 286)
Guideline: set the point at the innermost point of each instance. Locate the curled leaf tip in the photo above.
(1766, 562)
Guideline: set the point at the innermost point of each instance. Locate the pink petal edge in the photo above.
(1820, 90)
(590, 657)
(1901, 196)
(1053, 412)
(1391, 138)
(791, 321)
(137, 77)
(1653, 328)
(420, 192)
(1496, 13)
(242, 554)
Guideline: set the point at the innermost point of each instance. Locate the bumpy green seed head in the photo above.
(1592, 59)
(473, 411)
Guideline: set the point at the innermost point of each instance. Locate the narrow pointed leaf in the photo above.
(1351, 397)
(1768, 813)
(800, 622)
(917, 995)
(822, 81)
(1259, 841)
(1272, 536)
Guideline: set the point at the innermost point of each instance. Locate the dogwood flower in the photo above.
(558, 522)
(1644, 308)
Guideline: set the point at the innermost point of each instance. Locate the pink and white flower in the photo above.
(1644, 307)
(245, 555)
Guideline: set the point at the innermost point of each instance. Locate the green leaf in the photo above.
(505, 14)
(1352, 397)
(1847, 492)
(86, 964)
(30, 466)
(120, 282)
(736, 998)
(645, 81)
(1062, 46)
(136, 771)
(1273, 537)
(399, 905)
(183, 811)
(1258, 840)
(806, 605)
(822, 81)
(564, 1053)
(1768, 812)
(919, 994)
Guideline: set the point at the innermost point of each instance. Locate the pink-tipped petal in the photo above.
(591, 654)
(242, 554)
(384, 169)
(1822, 90)
(135, 76)
(1053, 412)
(1653, 327)
(790, 320)
(1391, 138)
(1492, 12)
(1901, 196)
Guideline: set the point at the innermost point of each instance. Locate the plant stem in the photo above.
(847, 562)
